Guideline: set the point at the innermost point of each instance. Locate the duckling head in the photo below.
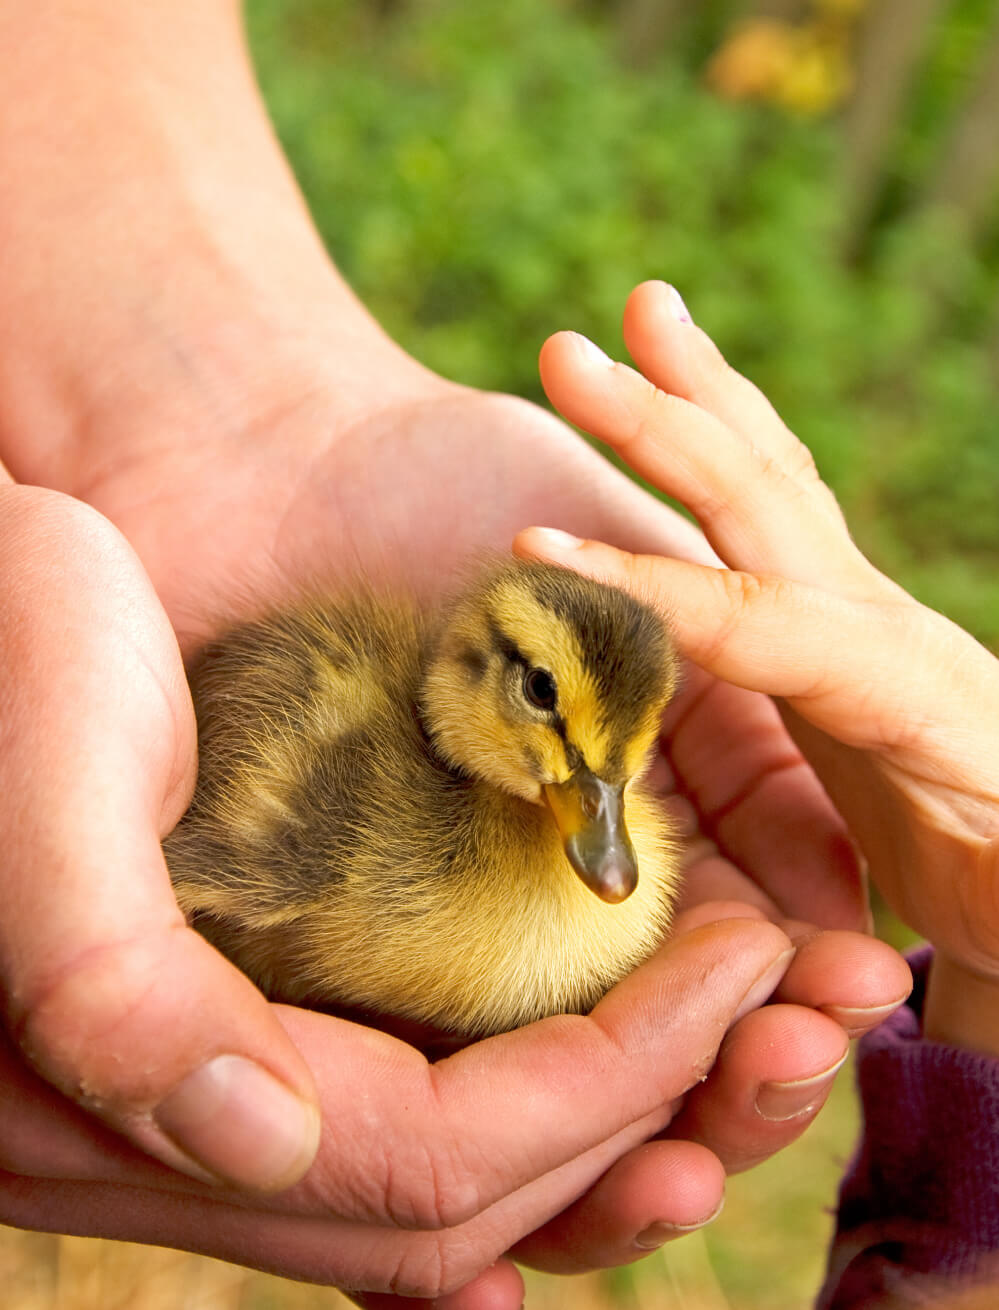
(551, 687)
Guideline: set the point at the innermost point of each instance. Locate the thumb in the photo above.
(106, 991)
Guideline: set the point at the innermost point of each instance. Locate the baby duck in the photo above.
(437, 819)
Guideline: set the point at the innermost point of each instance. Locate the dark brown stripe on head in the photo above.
(505, 644)
(623, 644)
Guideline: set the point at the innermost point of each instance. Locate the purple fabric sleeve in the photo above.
(919, 1207)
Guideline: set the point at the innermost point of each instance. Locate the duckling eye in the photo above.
(539, 688)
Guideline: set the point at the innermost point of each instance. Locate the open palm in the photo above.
(410, 491)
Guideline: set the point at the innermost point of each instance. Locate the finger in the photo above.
(307, 1248)
(710, 877)
(772, 1076)
(656, 1193)
(762, 805)
(705, 912)
(105, 990)
(854, 979)
(449, 1145)
(848, 667)
(270, 1234)
(457, 1137)
(680, 359)
(757, 516)
(45, 1136)
(751, 817)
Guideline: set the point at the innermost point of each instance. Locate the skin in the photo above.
(198, 421)
(892, 704)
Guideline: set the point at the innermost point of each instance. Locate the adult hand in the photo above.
(892, 704)
(117, 1012)
(115, 1002)
(221, 397)
(104, 989)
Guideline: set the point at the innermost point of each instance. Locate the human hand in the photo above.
(105, 990)
(891, 703)
(113, 695)
(253, 432)
(471, 1154)
(426, 1174)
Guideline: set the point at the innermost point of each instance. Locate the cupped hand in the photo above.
(426, 1175)
(892, 704)
(222, 398)
(607, 1193)
(105, 990)
(119, 1014)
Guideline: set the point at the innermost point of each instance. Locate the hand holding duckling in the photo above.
(114, 1049)
(252, 432)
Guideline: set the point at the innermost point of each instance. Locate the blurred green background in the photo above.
(820, 179)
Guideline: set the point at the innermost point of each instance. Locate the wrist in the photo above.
(160, 278)
(961, 1007)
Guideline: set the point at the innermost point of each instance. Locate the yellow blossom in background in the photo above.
(818, 77)
(805, 68)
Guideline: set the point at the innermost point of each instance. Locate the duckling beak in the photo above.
(590, 816)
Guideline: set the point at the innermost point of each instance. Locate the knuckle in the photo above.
(434, 1267)
(433, 1193)
(739, 593)
(803, 466)
(786, 481)
(650, 420)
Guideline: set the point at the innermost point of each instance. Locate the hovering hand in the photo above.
(891, 703)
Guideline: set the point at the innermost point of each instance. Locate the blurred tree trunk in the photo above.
(891, 39)
(646, 28)
(966, 179)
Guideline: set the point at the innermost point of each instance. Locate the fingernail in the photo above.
(593, 353)
(556, 540)
(677, 308)
(764, 985)
(861, 1019)
(651, 1238)
(780, 1101)
(241, 1123)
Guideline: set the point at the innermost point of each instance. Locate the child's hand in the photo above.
(894, 706)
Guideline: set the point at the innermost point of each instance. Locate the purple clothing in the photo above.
(919, 1206)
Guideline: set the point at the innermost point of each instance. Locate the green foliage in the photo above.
(486, 174)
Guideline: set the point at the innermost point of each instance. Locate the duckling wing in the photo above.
(295, 714)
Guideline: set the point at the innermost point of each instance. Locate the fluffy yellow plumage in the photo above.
(438, 818)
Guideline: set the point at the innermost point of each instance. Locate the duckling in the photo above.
(437, 818)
